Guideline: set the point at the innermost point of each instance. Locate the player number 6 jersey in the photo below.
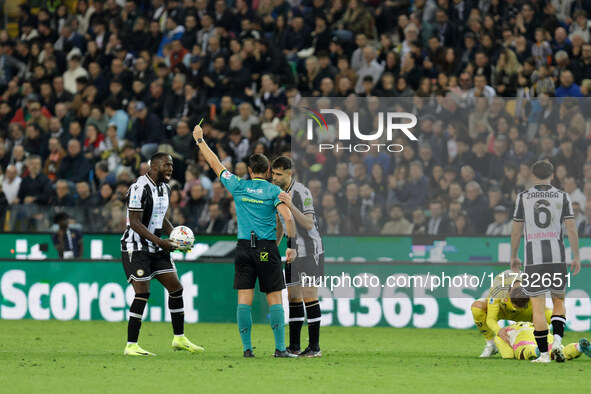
(543, 209)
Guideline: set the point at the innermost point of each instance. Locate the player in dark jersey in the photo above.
(145, 255)
(257, 255)
(539, 214)
(309, 260)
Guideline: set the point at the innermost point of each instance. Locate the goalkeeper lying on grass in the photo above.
(506, 302)
(522, 344)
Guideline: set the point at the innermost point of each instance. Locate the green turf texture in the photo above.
(53, 356)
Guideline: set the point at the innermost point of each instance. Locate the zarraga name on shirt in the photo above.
(541, 195)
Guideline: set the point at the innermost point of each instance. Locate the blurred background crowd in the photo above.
(90, 89)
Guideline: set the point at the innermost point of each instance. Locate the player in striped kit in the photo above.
(539, 215)
(309, 260)
(145, 255)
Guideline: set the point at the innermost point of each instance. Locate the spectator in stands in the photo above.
(147, 131)
(239, 144)
(498, 159)
(227, 112)
(62, 196)
(214, 222)
(244, 120)
(84, 203)
(585, 226)
(476, 206)
(568, 87)
(375, 220)
(397, 225)
(575, 194)
(35, 141)
(35, 188)
(414, 192)
(369, 199)
(74, 167)
(75, 70)
(336, 224)
(11, 184)
(117, 116)
(419, 222)
(195, 205)
(175, 101)
(439, 223)
(572, 159)
(18, 159)
(182, 141)
(463, 225)
(500, 226)
(369, 67)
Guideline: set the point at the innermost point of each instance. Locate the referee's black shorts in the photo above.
(262, 262)
(537, 279)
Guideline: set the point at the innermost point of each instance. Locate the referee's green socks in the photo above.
(277, 318)
(244, 319)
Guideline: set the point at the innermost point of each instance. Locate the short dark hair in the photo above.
(258, 163)
(60, 216)
(542, 169)
(112, 103)
(518, 297)
(282, 162)
(158, 156)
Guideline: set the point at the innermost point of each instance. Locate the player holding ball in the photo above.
(145, 255)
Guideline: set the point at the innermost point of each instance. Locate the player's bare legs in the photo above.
(479, 309)
(171, 282)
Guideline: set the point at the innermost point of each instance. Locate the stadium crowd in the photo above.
(88, 94)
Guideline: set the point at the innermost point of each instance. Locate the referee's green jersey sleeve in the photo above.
(229, 180)
(277, 200)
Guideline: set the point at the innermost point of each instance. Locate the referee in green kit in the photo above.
(257, 256)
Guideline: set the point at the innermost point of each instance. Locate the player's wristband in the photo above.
(289, 243)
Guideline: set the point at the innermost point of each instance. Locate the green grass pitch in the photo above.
(53, 356)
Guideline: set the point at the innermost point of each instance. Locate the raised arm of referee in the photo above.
(257, 255)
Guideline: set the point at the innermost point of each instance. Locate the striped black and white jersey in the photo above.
(152, 200)
(308, 242)
(542, 209)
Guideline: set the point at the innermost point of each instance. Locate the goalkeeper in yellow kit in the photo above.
(522, 344)
(505, 301)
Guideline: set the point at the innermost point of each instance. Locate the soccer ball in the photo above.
(183, 237)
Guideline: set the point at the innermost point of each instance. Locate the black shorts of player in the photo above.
(537, 279)
(143, 266)
(262, 262)
(309, 267)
